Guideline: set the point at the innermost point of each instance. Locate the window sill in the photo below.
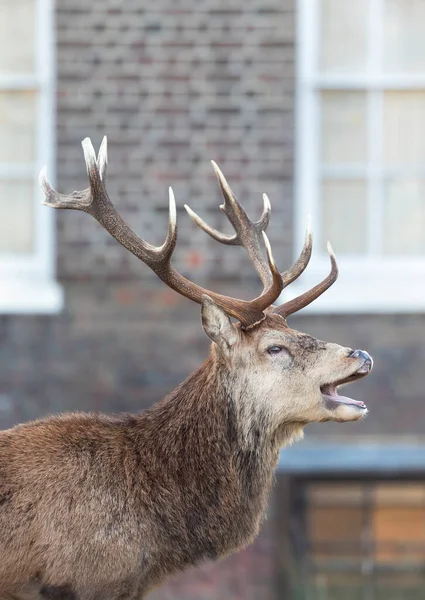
(323, 458)
(30, 296)
(365, 294)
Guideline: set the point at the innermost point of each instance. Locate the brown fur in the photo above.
(104, 508)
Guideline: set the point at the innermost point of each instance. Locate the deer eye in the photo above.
(273, 350)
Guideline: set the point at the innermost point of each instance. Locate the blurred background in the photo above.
(319, 103)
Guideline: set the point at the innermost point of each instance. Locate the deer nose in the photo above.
(364, 356)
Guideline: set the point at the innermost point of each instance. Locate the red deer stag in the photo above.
(95, 507)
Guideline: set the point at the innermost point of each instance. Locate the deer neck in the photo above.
(196, 449)
(208, 417)
(211, 416)
(219, 466)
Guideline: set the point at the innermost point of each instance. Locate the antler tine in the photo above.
(223, 238)
(248, 234)
(102, 159)
(292, 306)
(95, 201)
(231, 240)
(264, 220)
(302, 261)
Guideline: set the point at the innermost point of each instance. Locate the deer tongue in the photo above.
(330, 393)
(344, 400)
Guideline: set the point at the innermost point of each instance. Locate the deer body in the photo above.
(104, 508)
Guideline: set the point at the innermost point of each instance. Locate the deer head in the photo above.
(288, 376)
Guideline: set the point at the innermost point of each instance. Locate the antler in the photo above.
(248, 234)
(292, 306)
(95, 201)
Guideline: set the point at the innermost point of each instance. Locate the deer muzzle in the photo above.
(366, 359)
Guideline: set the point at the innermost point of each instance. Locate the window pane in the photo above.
(404, 128)
(335, 528)
(335, 494)
(335, 523)
(344, 214)
(343, 127)
(396, 494)
(17, 36)
(339, 586)
(16, 224)
(343, 39)
(404, 217)
(17, 126)
(399, 533)
(404, 38)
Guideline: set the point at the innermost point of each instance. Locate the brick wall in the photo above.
(174, 84)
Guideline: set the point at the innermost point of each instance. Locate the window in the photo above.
(358, 539)
(360, 157)
(27, 109)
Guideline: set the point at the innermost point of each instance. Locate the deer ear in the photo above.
(217, 324)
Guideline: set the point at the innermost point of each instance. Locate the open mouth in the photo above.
(330, 393)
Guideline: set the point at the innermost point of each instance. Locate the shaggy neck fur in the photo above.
(218, 455)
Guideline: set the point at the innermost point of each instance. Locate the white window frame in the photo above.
(370, 284)
(27, 281)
